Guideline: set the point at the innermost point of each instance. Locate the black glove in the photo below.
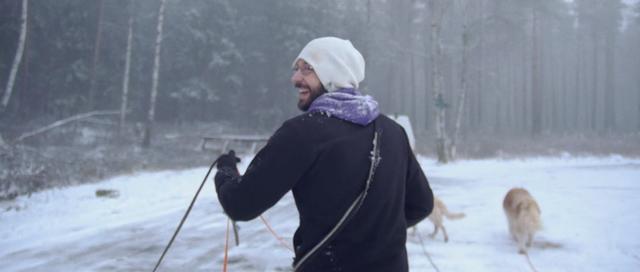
(227, 169)
(228, 160)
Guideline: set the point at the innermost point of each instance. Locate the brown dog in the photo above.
(437, 217)
(523, 216)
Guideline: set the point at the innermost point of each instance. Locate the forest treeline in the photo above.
(460, 68)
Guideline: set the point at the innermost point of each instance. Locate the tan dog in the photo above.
(523, 215)
(437, 217)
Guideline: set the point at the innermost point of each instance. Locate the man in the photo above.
(324, 157)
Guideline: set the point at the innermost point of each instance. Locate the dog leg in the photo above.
(521, 240)
(446, 237)
(513, 234)
(435, 231)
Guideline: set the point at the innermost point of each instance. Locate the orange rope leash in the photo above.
(425, 250)
(533, 268)
(282, 241)
(226, 247)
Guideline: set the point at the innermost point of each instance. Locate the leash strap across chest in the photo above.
(353, 208)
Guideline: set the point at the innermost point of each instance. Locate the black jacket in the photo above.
(325, 162)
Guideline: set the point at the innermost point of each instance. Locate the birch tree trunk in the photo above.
(595, 83)
(18, 57)
(476, 99)
(463, 82)
(96, 57)
(146, 142)
(536, 92)
(577, 78)
(127, 68)
(565, 89)
(610, 88)
(411, 105)
(436, 82)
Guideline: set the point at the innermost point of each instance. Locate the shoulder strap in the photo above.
(355, 206)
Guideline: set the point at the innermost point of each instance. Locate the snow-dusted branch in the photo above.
(65, 121)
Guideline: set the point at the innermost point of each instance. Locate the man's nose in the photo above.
(296, 77)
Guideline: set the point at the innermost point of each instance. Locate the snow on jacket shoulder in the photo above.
(325, 162)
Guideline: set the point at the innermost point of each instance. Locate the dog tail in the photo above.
(452, 216)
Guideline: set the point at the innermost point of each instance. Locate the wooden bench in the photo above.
(224, 141)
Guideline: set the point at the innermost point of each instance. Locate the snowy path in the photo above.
(589, 209)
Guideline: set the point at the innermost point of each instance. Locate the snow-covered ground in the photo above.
(589, 209)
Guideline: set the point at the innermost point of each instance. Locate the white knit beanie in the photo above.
(336, 62)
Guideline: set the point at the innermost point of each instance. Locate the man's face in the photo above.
(309, 87)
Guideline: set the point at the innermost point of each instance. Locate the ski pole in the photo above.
(184, 217)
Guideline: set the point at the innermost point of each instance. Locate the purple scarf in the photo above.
(347, 104)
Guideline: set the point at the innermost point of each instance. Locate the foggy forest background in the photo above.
(476, 77)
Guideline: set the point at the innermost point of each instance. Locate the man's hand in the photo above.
(227, 168)
(228, 160)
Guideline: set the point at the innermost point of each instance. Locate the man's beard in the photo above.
(304, 105)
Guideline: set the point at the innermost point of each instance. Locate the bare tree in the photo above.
(636, 25)
(611, 23)
(610, 88)
(146, 142)
(595, 81)
(18, 57)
